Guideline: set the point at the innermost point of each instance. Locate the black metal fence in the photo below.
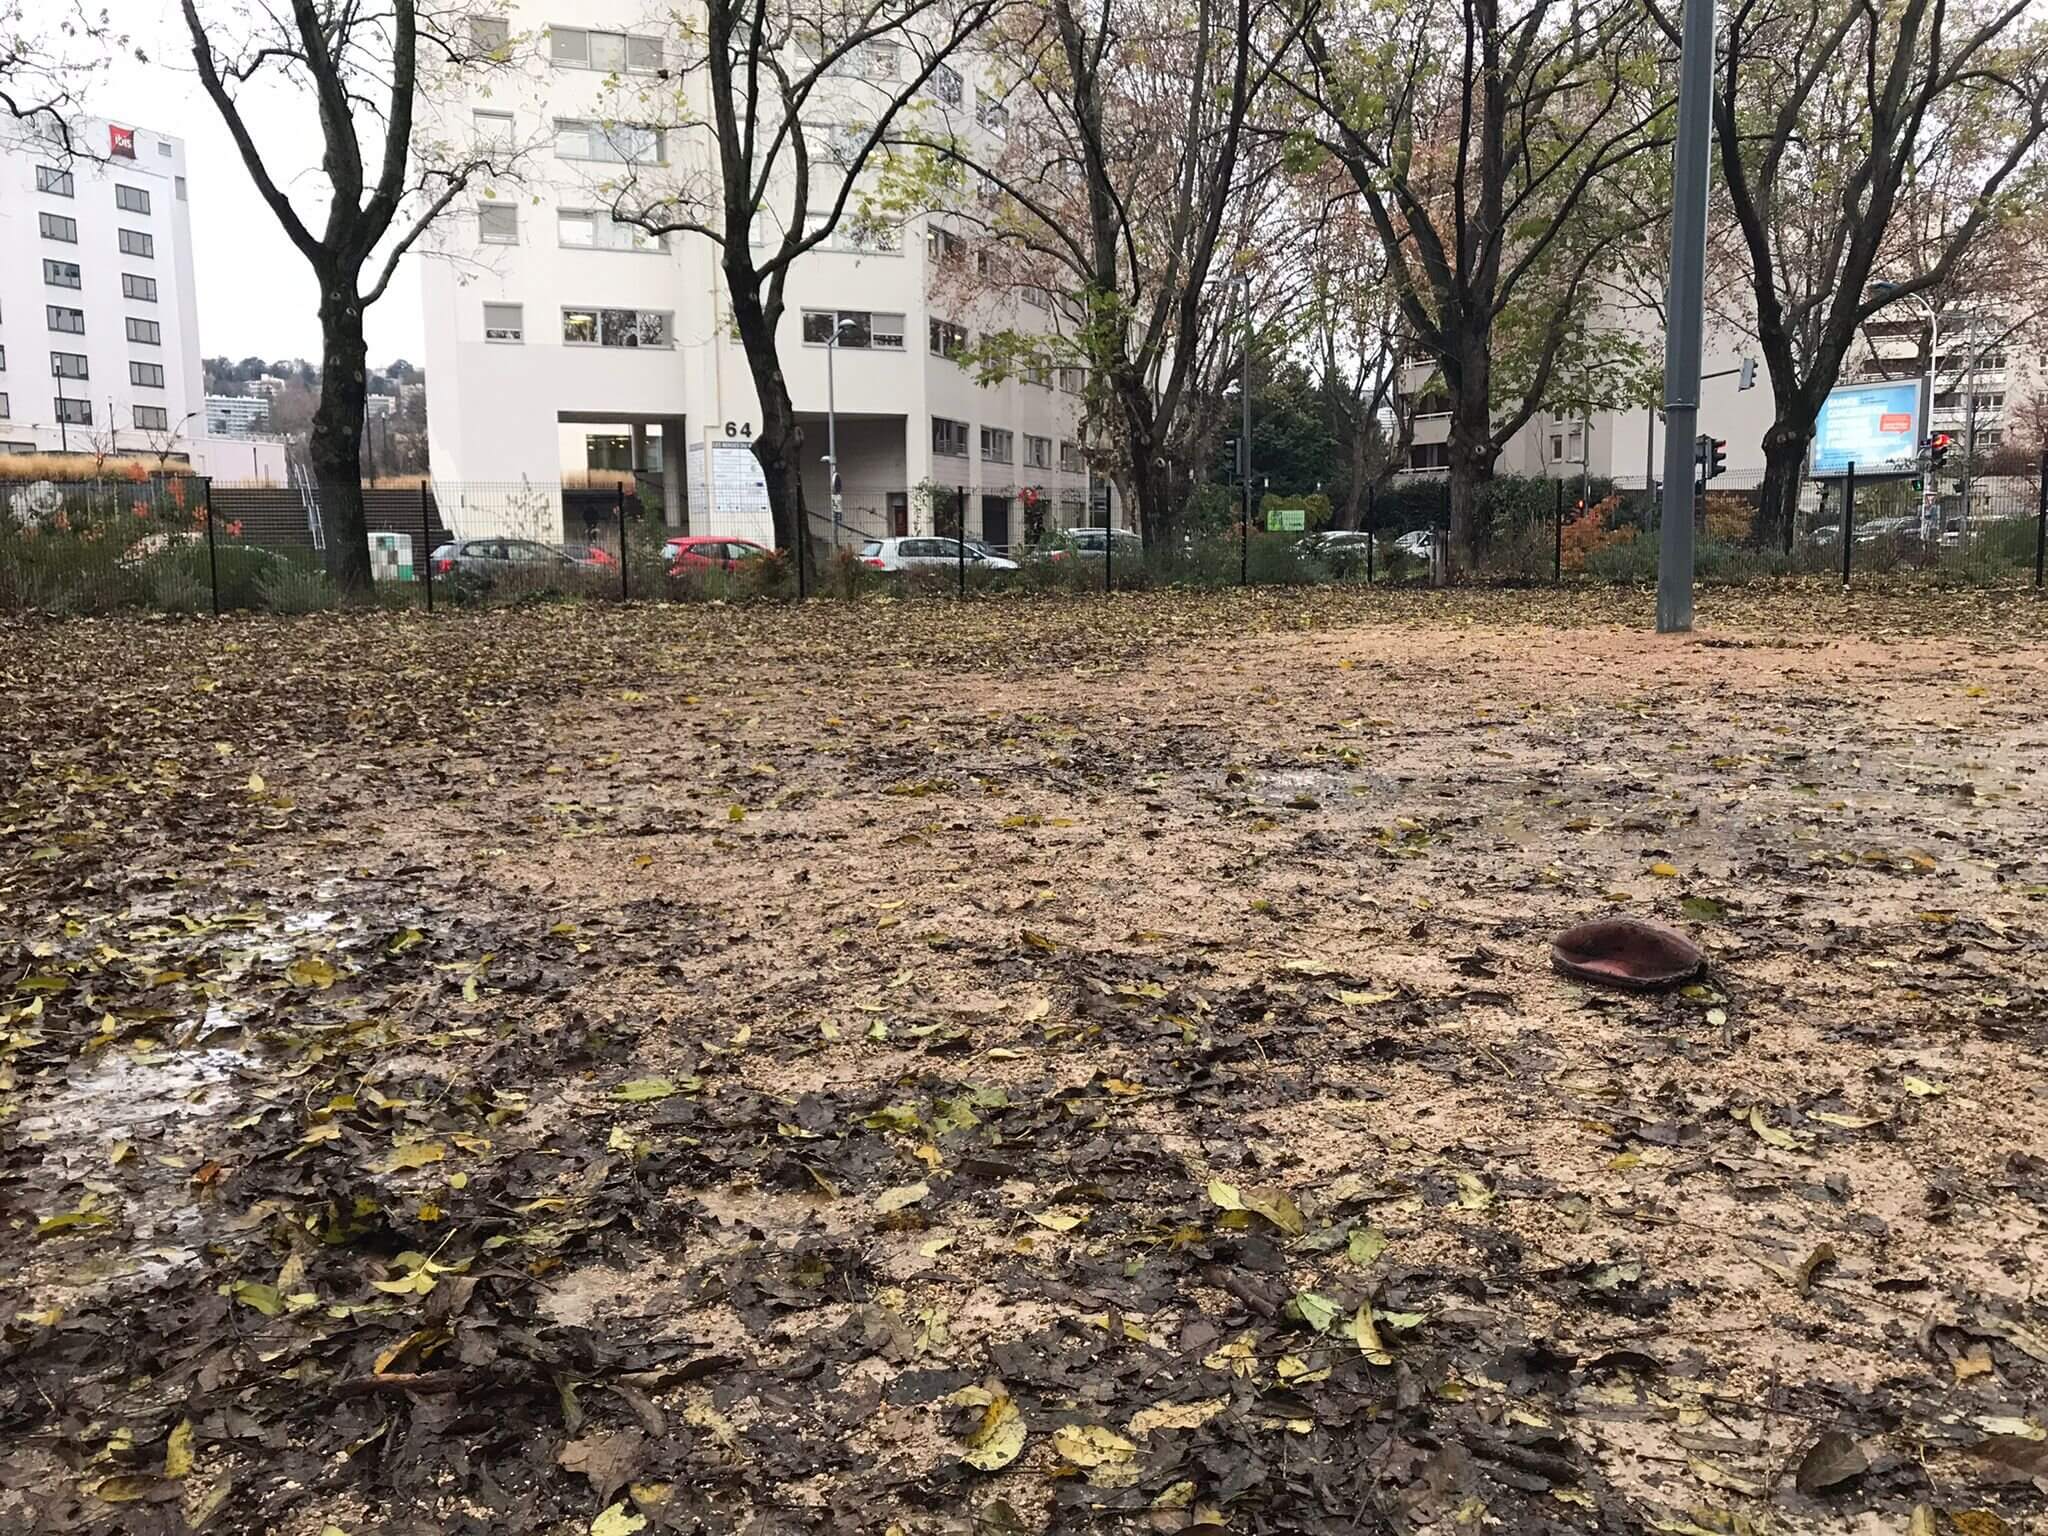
(181, 543)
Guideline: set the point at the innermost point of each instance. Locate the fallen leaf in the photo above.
(1771, 1134)
(1833, 1459)
(1664, 871)
(1367, 1337)
(263, 1298)
(1317, 1311)
(1720, 1477)
(617, 1521)
(178, 1450)
(1365, 1245)
(1821, 1257)
(311, 971)
(1177, 1415)
(998, 1432)
(1056, 1221)
(640, 1090)
(417, 1154)
(903, 1194)
(1090, 1445)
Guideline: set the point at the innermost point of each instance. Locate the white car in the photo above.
(1419, 545)
(927, 554)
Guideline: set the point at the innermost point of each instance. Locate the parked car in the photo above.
(595, 556)
(705, 552)
(484, 563)
(1340, 551)
(1093, 544)
(1419, 545)
(916, 554)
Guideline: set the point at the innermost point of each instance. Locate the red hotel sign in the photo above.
(1895, 421)
(121, 141)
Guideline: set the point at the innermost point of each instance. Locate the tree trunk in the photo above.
(1471, 473)
(778, 441)
(1151, 483)
(336, 443)
(1785, 448)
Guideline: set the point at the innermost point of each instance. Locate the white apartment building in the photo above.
(555, 336)
(1626, 446)
(237, 415)
(1985, 364)
(99, 328)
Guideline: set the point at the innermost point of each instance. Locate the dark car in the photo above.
(521, 564)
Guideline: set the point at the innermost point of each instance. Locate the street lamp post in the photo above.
(63, 420)
(832, 430)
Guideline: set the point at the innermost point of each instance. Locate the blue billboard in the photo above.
(1876, 427)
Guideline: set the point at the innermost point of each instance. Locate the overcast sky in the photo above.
(256, 293)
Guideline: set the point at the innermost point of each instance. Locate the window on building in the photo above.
(618, 327)
(614, 143)
(944, 245)
(993, 116)
(148, 375)
(492, 128)
(490, 34)
(1074, 380)
(55, 226)
(148, 332)
(76, 413)
(135, 286)
(887, 331)
(70, 321)
(613, 52)
(69, 365)
(1035, 296)
(949, 437)
(3, 359)
(588, 229)
(53, 181)
(61, 274)
(179, 183)
(947, 339)
(945, 84)
(4, 413)
(1557, 445)
(130, 199)
(1070, 456)
(1036, 373)
(877, 60)
(163, 149)
(504, 322)
(1037, 451)
(152, 418)
(135, 243)
(998, 445)
(1429, 456)
(497, 223)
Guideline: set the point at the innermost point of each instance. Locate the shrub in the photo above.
(288, 588)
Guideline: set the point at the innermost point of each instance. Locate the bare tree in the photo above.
(1122, 190)
(803, 97)
(1826, 117)
(1494, 147)
(366, 67)
(47, 59)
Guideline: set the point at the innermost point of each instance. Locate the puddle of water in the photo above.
(122, 1094)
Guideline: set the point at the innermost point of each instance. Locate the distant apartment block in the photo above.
(237, 415)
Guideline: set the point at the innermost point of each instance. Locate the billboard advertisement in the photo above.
(1876, 427)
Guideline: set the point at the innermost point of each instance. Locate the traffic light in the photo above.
(1937, 449)
(1745, 377)
(1713, 456)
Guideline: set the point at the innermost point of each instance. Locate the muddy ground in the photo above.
(1029, 1065)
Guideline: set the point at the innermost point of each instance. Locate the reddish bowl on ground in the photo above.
(1624, 952)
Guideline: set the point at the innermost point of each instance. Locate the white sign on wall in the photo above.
(728, 492)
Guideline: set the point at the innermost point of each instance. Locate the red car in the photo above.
(708, 553)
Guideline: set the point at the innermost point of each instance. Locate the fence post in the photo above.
(1557, 558)
(960, 539)
(212, 559)
(620, 491)
(427, 544)
(1848, 519)
(1244, 544)
(2041, 524)
(1109, 553)
(1371, 535)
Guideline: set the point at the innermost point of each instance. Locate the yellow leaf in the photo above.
(1057, 1221)
(264, 1298)
(1771, 1134)
(1365, 999)
(1473, 1195)
(1664, 871)
(256, 784)
(998, 1434)
(903, 1194)
(178, 1450)
(1091, 1445)
(1177, 1415)
(1368, 1338)
(1845, 1122)
(1038, 1009)
(1920, 1088)
(417, 1154)
(311, 971)
(617, 1520)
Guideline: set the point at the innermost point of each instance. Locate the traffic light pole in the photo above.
(1684, 319)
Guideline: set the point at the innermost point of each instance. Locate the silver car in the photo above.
(922, 553)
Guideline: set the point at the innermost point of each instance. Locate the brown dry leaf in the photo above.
(1177, 1415)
